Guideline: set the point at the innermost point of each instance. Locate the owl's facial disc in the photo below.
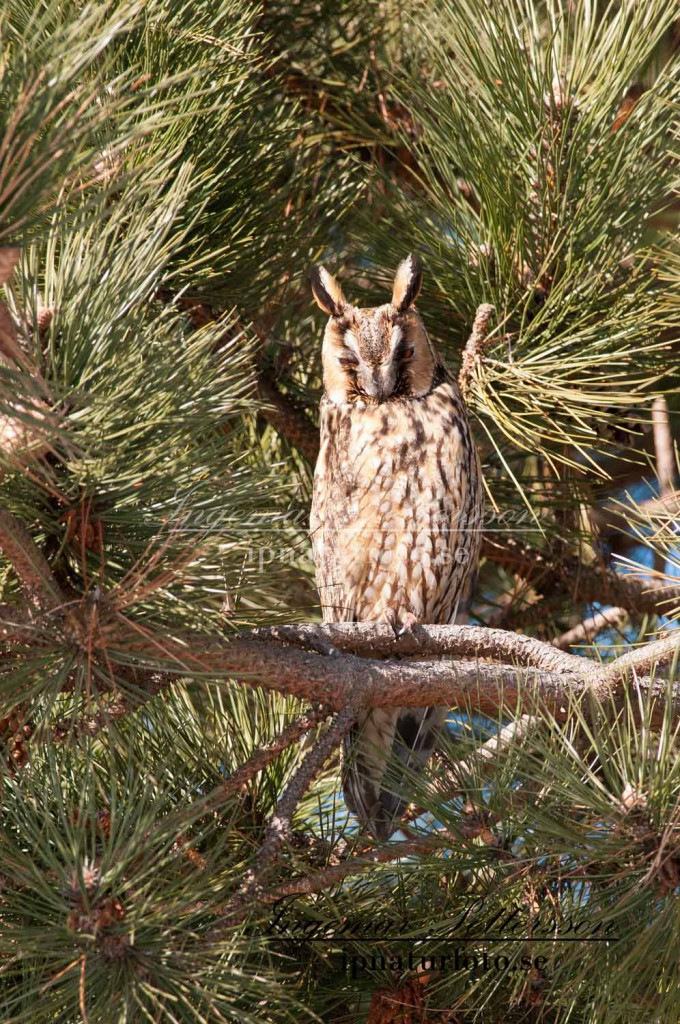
(371, 348)
(378, 355)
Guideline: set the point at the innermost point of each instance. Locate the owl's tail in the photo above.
(375, 747)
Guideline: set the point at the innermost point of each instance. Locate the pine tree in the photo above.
(173, 844)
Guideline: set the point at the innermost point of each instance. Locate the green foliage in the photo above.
(530, 200)
(115, 912)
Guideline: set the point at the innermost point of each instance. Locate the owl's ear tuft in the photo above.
(327, 292)
(407, 282)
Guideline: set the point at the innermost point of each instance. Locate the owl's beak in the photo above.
(378, 383)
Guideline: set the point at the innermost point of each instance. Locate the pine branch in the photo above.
(37, 582)
(581, 581)
(476, 344)
(105, 716)
(279, 827)
(336, 873)
(262, 757)
(279, 409)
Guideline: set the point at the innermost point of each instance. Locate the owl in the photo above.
(396, 512)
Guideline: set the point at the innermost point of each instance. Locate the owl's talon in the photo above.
(407, 625)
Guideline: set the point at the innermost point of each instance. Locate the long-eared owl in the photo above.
(396, 515)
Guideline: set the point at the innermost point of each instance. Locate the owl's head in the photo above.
(375, 354)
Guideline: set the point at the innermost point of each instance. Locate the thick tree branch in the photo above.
(338, 680)
(643, 659)
(374, 640)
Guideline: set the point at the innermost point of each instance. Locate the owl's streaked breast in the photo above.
(393, 518)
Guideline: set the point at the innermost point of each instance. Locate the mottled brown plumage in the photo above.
(396, 515)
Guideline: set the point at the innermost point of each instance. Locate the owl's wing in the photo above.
(337, 592)
(338, 545)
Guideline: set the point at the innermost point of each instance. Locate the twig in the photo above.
(664, 449)
(476, 344)
(664, 455)
(235, 912)
(263, 757)
(33, 572)
(489, 749)
(57, 977)
(586, 631)
(82, 1001)
(612, 519)
(338, 872)
(279, 827)
(668, 506)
